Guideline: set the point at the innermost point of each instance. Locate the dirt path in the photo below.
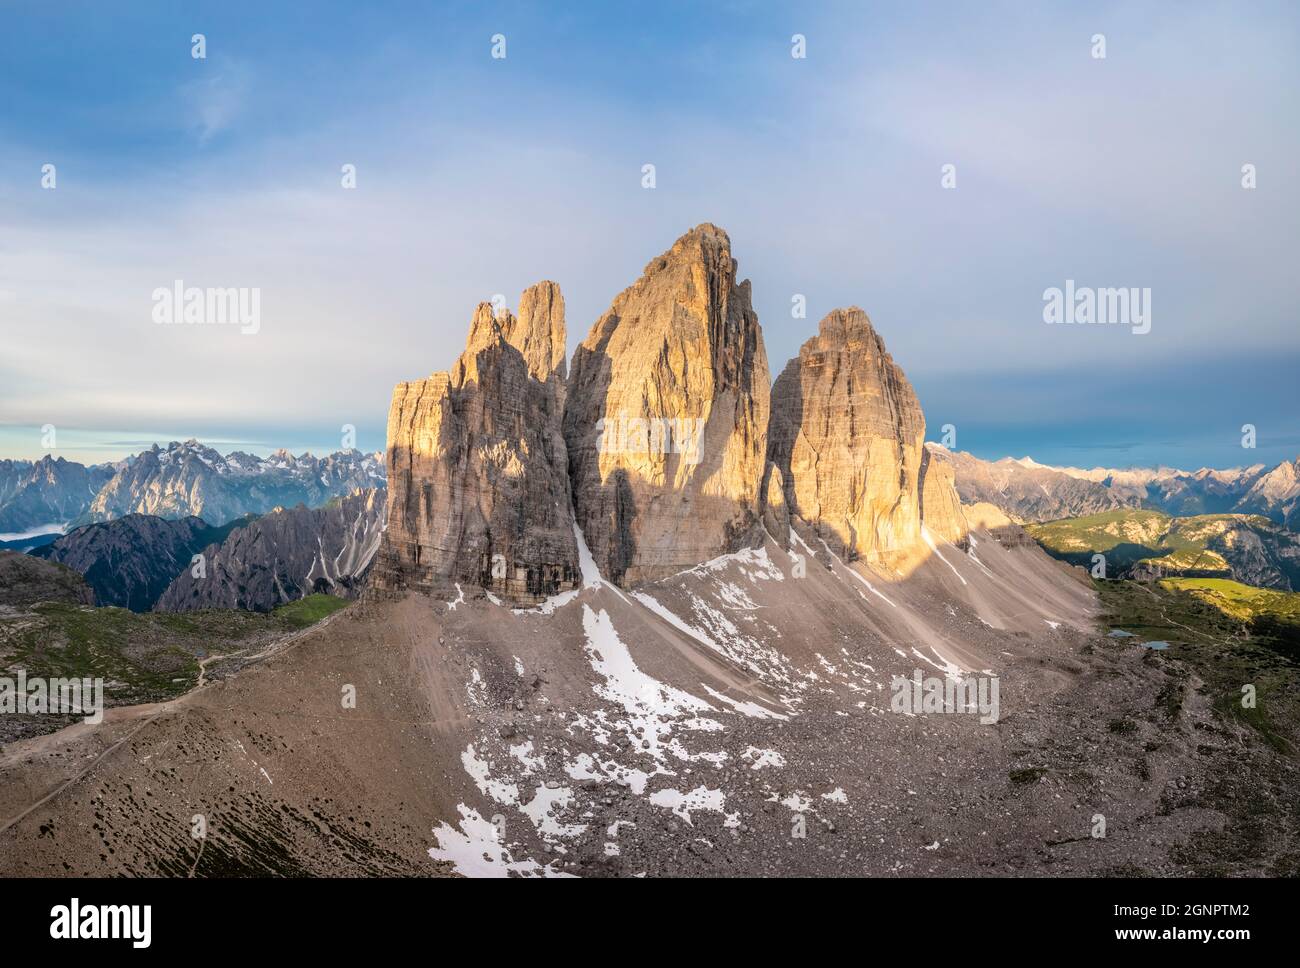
(150, 711)
(203, 665)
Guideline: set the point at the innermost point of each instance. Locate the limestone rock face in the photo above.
(667, 416)
(776, 516)
(477, 468)
(847, 435)
(941, 510)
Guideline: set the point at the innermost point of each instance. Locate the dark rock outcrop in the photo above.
(130, 561)
(284, 556)
(25, 580)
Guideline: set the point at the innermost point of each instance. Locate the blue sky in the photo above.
(478, 176)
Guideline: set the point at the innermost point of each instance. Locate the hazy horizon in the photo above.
(103, 447)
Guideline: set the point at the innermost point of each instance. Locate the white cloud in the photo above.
(830, 189)
(216, 100)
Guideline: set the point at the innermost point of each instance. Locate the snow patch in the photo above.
(586, 563)
(651, 705)
(475, 850)
(925, 535)
(701, 798)
(751, 709)
(763, 758)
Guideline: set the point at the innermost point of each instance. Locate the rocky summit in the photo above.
(847, 437)
(666, 447)
(477, 465)
(667, 416)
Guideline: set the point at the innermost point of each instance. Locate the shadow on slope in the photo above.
(731, 719)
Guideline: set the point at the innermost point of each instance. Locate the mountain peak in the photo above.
(485, 438)
(538, 332)
(705, 246)
(680, 348)
(847, 434)
(484, 329)
(846, 322)
(706, 231)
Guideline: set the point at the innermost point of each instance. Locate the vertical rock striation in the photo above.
(477, 468)
(284, 556)
(847, 436)
(658, 446)
(667, 416)
(941, 508)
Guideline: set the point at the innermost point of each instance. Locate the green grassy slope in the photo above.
(142, 657)
(1152, 542)
(1242, 602)
(1231, 635)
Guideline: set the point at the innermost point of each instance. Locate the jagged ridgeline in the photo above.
(479, 487)
(656, 446)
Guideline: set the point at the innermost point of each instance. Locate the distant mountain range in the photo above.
(191, 479)
(130, 561)
(182, 480)
(141, 561)
(1033, 492)
(36, 494)
(1149, 545)
(285, 556)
